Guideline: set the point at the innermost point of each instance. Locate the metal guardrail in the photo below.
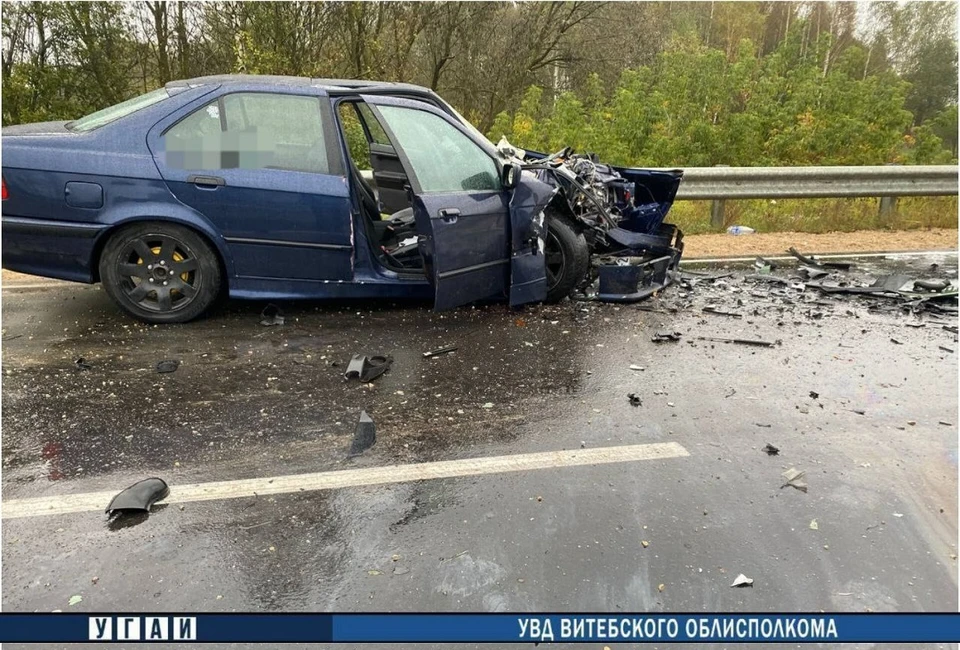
(705, 183)
(887, 182)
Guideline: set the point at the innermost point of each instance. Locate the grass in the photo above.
(818, 215)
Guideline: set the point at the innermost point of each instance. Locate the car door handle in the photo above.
(206, 182)
(449, 215)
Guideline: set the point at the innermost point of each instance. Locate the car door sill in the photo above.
(282, 242)
(471, 269)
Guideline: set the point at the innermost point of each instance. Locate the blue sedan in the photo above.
(251, 185)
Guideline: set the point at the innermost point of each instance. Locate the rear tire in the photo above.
(160, 272)
(568, 257)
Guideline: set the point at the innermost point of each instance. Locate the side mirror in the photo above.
(510, 175)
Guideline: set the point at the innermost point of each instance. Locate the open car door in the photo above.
(463, 214)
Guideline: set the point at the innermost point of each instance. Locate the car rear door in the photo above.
(261, 164)
(462, 211)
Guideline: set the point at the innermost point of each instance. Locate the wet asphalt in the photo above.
(642, 536)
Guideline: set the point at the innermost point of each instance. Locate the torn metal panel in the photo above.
(621, 212)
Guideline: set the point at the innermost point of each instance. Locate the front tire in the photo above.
(160, 272)
(568, 257)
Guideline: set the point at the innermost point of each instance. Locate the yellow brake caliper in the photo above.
(177, 257)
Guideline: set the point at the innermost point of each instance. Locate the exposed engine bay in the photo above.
(634, 252)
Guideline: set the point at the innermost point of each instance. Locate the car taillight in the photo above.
(4, 189)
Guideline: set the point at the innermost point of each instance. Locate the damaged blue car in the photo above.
(249, 187)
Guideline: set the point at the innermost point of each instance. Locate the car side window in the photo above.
(443, 159)
(250, 131)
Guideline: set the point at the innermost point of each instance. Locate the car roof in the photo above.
(282, 80)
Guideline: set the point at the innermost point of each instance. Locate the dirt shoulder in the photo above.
(774, 243)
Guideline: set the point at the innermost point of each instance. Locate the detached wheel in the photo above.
(568, 257)
(160, 272)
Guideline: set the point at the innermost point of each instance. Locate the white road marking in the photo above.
(97, 501)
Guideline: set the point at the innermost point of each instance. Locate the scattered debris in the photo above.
(793, 478)
(439, 351)
(858, 411)
(635, 367)
(945, 348)
(764, 266)
(766, 278)
(271, 315)
(813, 272)
(634, 399)
(896, 342)
(945, 423)
(367, 368)
(139, 497)
(814, 525)
(364, 436)
(82, 364)
(168, 365)
(400, 570)
(644, 543)
(742, 581)
(771, 450)
(720, 312)
(487, 405)
(765, 426)
(756, 342)
(811, 261)
(661, 337)
(661, 587)
(898, 514)
(931, 285)
(75, 600)
(814, 395)
(911, 422)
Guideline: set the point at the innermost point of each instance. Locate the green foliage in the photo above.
(695, 106)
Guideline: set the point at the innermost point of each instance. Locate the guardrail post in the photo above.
(888, 207)
(716, 213)
(716, 210)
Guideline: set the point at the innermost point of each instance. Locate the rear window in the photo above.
(107, 115)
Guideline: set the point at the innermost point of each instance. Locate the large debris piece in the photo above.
(367, 368)
(139, 497)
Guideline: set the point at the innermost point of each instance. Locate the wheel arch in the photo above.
(560, 208)
(196, 224)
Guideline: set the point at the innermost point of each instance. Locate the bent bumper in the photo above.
(639, 271)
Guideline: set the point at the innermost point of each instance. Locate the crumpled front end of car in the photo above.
(622, 211)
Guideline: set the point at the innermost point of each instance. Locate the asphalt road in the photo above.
(628, 530)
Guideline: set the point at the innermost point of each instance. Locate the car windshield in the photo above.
(115, 112)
